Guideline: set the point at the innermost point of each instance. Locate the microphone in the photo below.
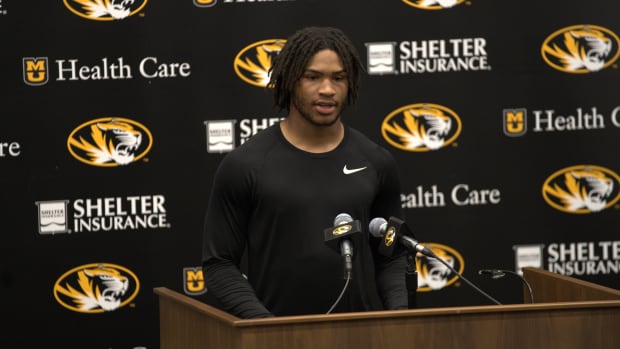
(500, 273)
(341, 238)
(396, 230)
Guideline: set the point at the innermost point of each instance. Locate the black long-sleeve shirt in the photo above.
(273, 202)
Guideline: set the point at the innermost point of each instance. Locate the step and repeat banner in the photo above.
(504, 117)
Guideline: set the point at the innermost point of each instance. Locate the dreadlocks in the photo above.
(289, 65)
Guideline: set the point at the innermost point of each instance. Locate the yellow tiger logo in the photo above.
(433, 4)
(580, 49)
(107, 142)
(582, 190)
(99, 287)
(104, 10)
(253, 63)
(424, 127)
(434, 274)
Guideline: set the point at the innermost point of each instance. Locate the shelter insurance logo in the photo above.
(253, 62)
(581, 49)
(103, 214)
(444, 55)
(421, 127)
(434, 275)
(110, 142)
(433, 4)
(582, 189)
(105, 10)
(222, 134)
(96, 288)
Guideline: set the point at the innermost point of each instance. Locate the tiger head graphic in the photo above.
(425, 127)
(254, 62)
(442, 3)
(98, 287)
(583, 189)
(433, 273)
(433, 4)
(117, 9)
(110, 141)
(584, 48)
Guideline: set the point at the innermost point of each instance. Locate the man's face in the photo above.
(322, 90)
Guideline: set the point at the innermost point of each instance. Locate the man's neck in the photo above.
(312, 138)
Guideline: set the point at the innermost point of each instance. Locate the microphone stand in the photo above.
(411, 278)
(499, 273)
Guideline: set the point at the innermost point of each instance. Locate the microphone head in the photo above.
(342, 218)
(345, 228)
(377, 227)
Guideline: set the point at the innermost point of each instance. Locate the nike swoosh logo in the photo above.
(347, 171)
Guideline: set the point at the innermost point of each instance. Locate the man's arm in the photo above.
(391, 282)
(233, 291)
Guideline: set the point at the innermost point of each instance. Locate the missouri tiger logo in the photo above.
(253, 62)
(582, 189)
(434, 275)
(96, 288)
(109, 142)
(105, 10)
(433, 4)
(581, 49)
(421, 127)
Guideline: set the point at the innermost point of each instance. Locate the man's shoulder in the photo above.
(359, 139)
(255, 147)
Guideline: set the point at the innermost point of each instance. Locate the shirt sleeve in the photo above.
(225, 239)
(233, 291)
(391, 281)
(390, 271)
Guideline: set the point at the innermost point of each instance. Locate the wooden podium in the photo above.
(568, 313)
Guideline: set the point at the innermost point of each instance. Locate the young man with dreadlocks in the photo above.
(274, 196)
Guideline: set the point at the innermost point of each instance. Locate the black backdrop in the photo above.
(525, 173)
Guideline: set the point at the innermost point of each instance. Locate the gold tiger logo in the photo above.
(433, 4)
(433, 274)
(108, 142)
(580, 49)
(423, 127)
(104, 9)
(581, 189)
(94, 288)
(252, 64)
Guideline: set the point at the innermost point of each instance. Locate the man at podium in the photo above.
(274, 196)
